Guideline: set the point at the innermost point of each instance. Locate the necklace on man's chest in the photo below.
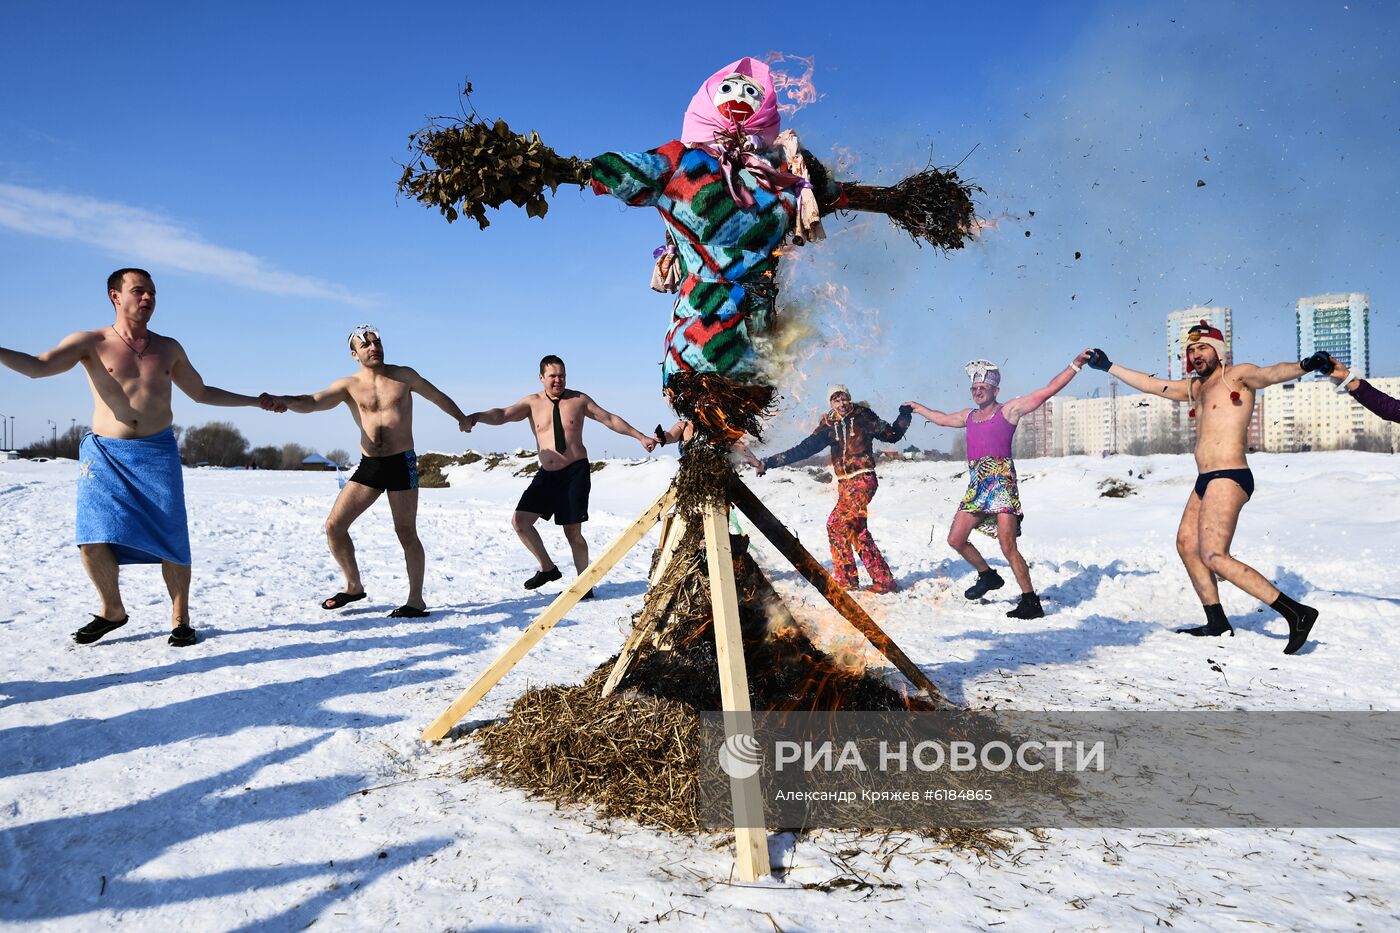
(140, 354)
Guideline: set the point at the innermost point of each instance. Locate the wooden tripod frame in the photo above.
(751, 843)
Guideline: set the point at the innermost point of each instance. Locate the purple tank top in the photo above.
(990, 438)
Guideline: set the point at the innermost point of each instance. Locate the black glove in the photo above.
(1321, 362)
(1099, 360)
(906, 410)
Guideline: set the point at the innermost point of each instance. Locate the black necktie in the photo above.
(559, 443)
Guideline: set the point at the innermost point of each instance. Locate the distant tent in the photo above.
(318, 462)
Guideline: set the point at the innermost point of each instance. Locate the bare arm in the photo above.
(942, 419)
(511, 413)
(324, 400)
(1018, 408)
(1257, 377)
(1174, 389)
(438, 397)
(184, 375)
(673, 435)
(613, 423)
(60, 359)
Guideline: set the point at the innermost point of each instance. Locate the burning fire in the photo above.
(794, 91)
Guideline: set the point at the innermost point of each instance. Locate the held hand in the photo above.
(648, 442)
(465, 425)
(1340, 375)
(1082, 360)
(1321, 362)
(906, 409)
(1095, 358)
(273, 403)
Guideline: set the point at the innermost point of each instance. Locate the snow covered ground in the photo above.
(271, 777)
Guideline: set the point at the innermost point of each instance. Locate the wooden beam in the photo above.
(565, 601)
(807, 565)
(672, 531)
(667, 522)
(750, 838)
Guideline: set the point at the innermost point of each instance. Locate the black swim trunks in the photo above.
(394, 473)
(560, 493)
(1244, 478)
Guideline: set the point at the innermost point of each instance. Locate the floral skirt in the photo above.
(992, 491)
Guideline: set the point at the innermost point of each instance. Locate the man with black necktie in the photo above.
(561, 485)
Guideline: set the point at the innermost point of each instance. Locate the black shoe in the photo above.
(182, 636)
(1298, 629)
(1028, 608)
(1211, 629)
(987, 581)
(543, 577)
(588, 595)
(96, 629)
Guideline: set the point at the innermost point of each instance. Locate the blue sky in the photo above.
(247, 155)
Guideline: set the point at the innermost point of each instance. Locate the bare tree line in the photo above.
(216, 443)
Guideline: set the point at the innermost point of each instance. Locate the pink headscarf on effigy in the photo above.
(708, 129)
(703, 121)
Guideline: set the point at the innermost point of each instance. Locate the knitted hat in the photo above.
(836, 387)
(983, 372)
(1207, 334)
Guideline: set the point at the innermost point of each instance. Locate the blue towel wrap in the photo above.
(131, 496)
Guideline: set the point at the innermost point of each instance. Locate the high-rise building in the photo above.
(1338, 323)
(1179, 322)
(1315, 416)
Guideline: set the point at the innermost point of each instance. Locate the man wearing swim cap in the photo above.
(992, 503)
(380, 399)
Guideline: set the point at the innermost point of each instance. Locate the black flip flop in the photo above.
(96, 629)
(409, 612)
(182, 636)
(341, 599)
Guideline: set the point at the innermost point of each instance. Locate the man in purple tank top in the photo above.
(993, 502)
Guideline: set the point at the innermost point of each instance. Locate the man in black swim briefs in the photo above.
(561, 486)
(1222, 401)
(380, 399)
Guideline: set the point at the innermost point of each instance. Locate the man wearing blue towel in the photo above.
(131, 495)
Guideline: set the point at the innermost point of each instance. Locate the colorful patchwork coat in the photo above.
(729, 288)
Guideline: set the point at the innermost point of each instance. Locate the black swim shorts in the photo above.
(394, 473)
(560, 493)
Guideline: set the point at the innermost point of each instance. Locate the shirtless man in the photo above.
(1223, 401)
(131, 496)
(380, 399)
(560, 487)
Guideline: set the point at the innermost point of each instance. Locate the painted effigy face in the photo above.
(738, 98)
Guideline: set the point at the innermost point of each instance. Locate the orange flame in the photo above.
(794, 91)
